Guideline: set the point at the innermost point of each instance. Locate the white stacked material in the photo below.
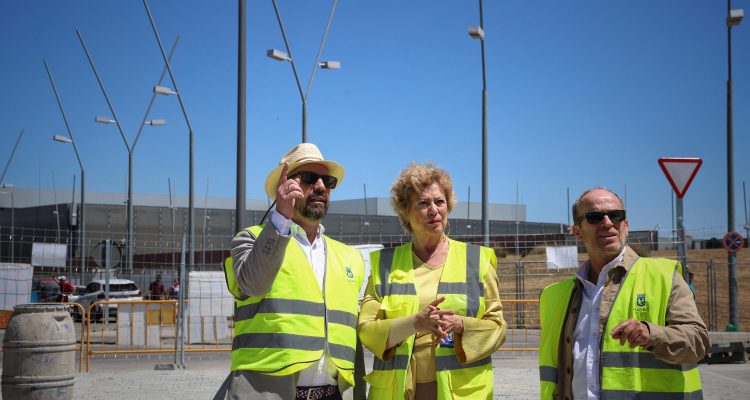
(15, 284)
(210, 308)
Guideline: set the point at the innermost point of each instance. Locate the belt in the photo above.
(316, 392)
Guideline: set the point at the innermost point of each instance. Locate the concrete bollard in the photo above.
(39, 353)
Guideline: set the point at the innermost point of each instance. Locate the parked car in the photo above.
(119, 289)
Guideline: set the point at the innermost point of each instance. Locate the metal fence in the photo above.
(522, 272)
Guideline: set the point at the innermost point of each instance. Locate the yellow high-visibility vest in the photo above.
(461, 283)
(625, 373)
(287, 329)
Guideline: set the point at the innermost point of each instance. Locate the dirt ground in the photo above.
(520, 285)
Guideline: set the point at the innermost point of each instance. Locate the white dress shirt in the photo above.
(586, 338)
(324, 372)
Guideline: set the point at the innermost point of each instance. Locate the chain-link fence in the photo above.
(522, 267)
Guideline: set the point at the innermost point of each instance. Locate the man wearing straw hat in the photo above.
(296, 291)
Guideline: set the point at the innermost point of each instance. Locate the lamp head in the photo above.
(164, 90)
(62, 139)
(104, 120)
(155, 122)
(330, 65)
(735, 17)
(476, 32)
(278, 55)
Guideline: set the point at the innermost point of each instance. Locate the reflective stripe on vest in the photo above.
(286, 330)
(462, 285)
(625, 373)
(553, 307)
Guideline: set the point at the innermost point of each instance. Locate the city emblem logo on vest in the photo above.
(640, 302)
(349, 273)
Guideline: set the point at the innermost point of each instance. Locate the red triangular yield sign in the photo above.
(680, 172)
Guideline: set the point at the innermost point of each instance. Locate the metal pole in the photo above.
(191, 205)
(57, 210)
(671, 204)
(203, 233)
(367, 218)
(184, 287)
(485, 215)
(517, 222)
(12, 227)
(240, 196)
(304, 120)
(107, 266)
(83, 174)
(468, 211)
(682, 247)
(13, 152)
(130, 239)
(171, 206)
(83, 224)
(567, 210)
(747, 225)
(732, 258)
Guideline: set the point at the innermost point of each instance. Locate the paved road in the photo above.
(515, 378)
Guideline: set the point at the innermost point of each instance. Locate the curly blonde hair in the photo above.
(411, 182)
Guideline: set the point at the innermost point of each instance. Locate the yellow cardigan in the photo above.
(481, 337)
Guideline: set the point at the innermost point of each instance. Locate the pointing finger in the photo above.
(283, 178)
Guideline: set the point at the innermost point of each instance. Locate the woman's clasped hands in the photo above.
(440, 323)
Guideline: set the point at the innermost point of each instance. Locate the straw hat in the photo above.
(299, 155)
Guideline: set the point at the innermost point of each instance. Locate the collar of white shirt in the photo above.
(583, 271)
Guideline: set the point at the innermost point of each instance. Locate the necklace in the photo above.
(439, 250)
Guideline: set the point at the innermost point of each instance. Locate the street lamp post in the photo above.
(734, 17)
(477, 32)
(191, 179)
(281, 56)
(130, 148)
(69, 139)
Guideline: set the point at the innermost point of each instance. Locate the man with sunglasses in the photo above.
(296, 291)
(624, 326)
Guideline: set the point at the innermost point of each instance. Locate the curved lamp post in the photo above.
(128, 147)
(281, 56)
(70, 139)
(130, 150)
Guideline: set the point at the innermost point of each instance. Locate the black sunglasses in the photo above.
(311, 178)
(596, 217)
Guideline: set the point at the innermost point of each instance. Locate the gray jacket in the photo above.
(256, 262)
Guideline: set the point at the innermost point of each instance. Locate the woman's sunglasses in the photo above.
(596, 217)
(311, 178)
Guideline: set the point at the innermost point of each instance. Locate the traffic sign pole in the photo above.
(682, 246)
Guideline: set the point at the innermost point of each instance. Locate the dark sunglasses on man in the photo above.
(596, 217)
(311, 178)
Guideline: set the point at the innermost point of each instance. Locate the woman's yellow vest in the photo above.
(461, 283)
(287, 330)
(624, 373)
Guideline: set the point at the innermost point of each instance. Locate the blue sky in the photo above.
(580, 93)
